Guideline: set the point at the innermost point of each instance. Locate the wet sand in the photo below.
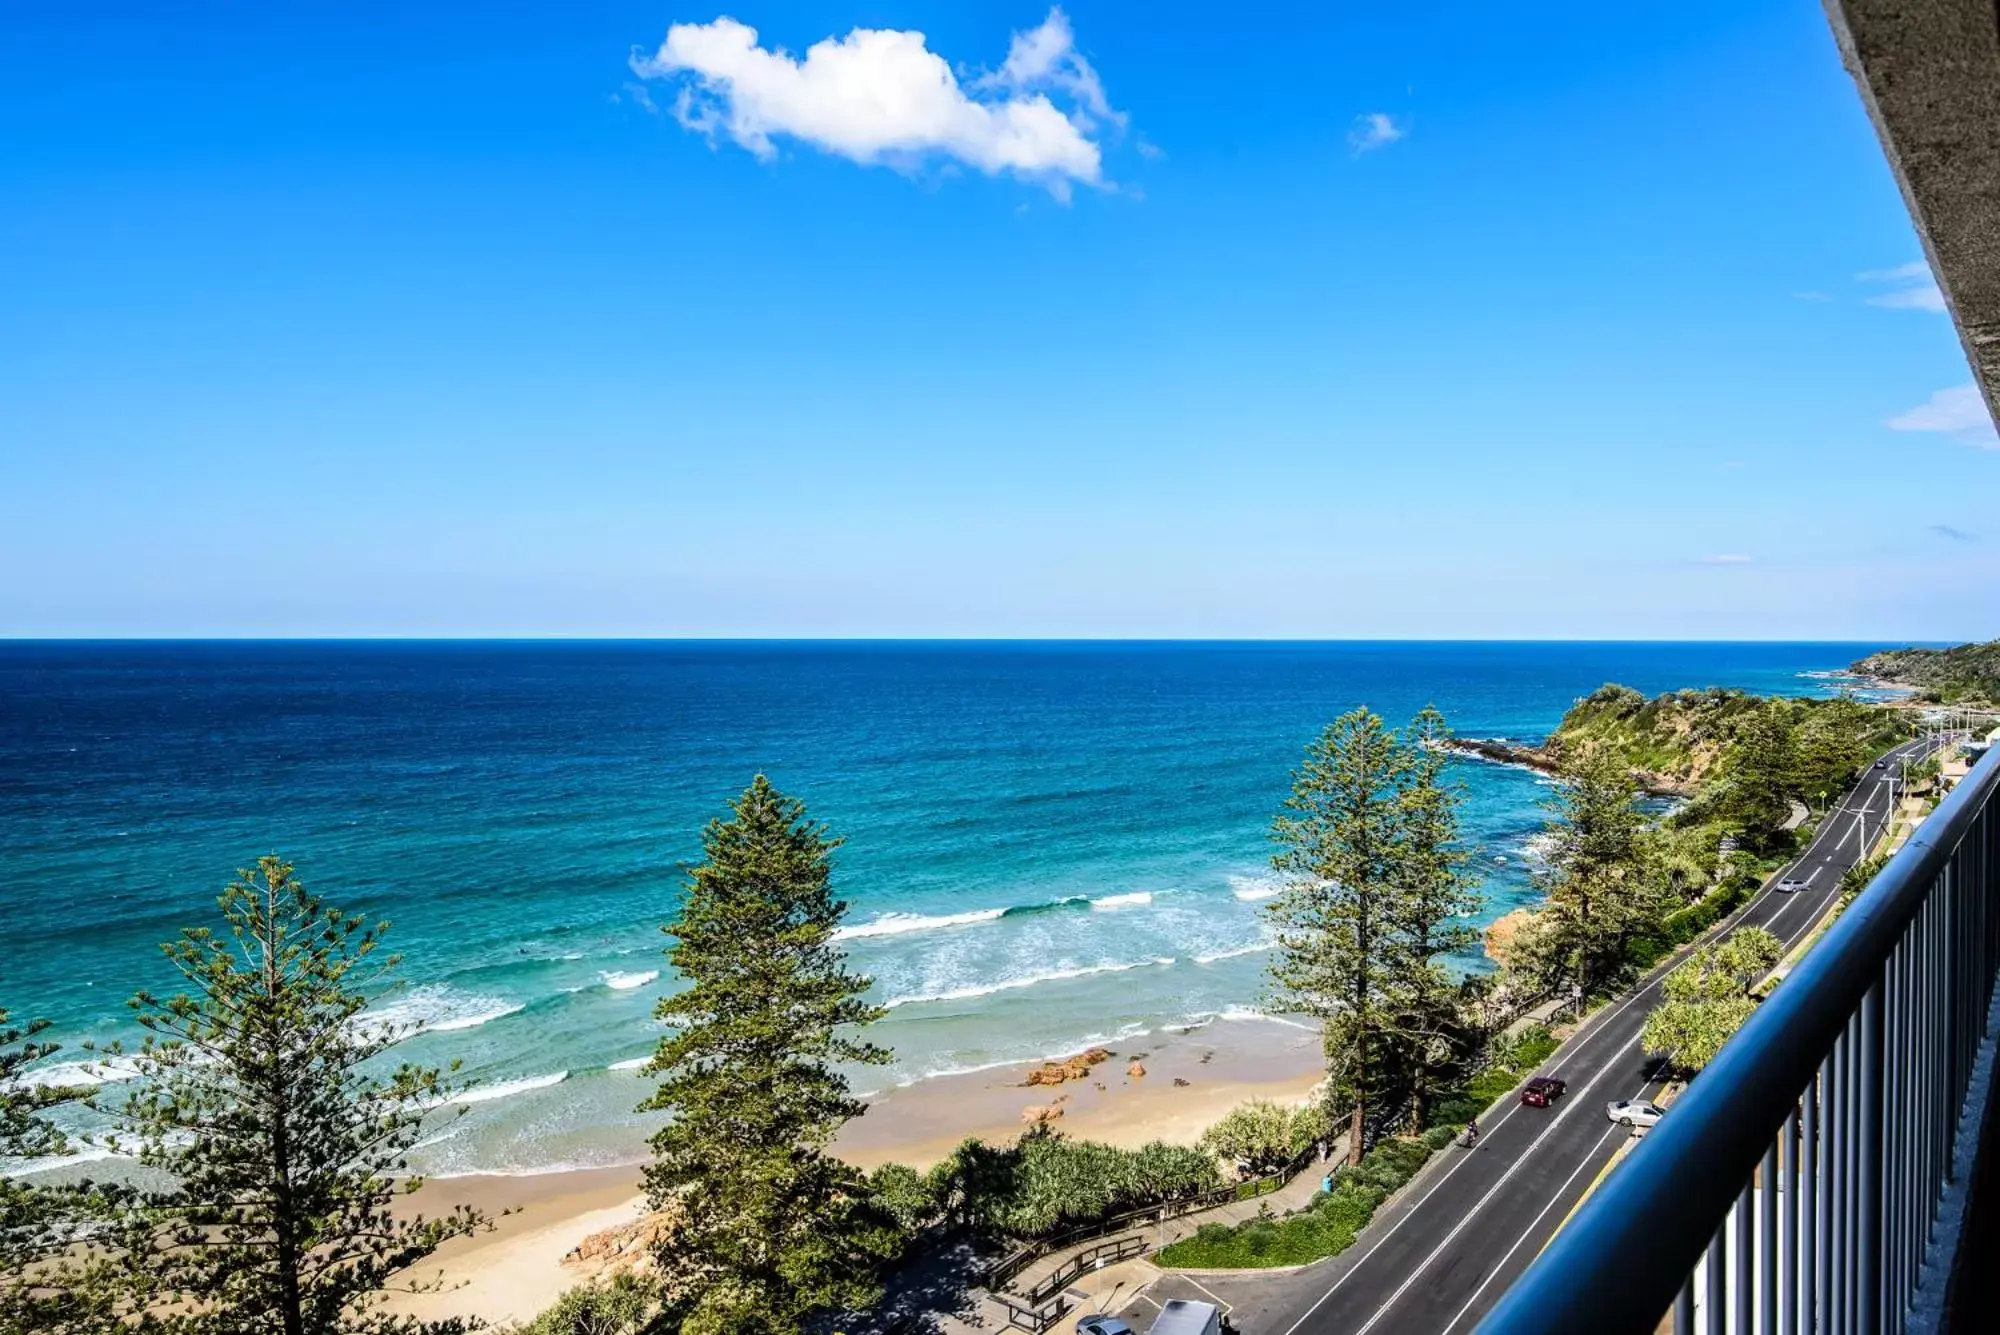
(1192, 1077)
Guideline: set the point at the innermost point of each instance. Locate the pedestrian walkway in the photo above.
(1295, 1195)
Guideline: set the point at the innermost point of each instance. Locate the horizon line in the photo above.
(177, 637)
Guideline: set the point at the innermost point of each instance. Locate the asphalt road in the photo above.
(1439, 1256)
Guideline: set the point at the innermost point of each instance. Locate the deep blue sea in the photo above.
(1048, 844)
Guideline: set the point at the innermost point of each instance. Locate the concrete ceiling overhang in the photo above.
(1929, 73)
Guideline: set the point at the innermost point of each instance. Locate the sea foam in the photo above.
(1254, 948)
(1027, 980)
(75, 1074)
(435, 1010)
(507, 1089)
(1253, 888)
(896, 924)
(625, 982)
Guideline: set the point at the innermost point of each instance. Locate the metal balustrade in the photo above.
(1795, 1184)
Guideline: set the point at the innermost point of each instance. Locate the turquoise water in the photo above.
(1049, 844)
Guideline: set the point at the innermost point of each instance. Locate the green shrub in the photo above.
(1324, 1228)
(905, 1195)
(1257, 1135)
(621, 1306)
(1045, 1182)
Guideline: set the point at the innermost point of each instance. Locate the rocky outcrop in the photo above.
(1070, 1068)
(1544, 759)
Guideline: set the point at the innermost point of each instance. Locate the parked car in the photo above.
(1634, 1112)
(1792, 885)
(1184, 1316)
(1102, 1324)
(1542, 1091)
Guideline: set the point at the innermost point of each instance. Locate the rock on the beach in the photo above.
(1137, 1070)
(627, 1246)
(1070, 1068)
(1040, 1114)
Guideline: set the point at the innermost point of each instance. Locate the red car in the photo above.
(1542, 1091)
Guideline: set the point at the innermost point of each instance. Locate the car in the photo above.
(1102, 1324)
(1542, 1091)
(1634, 1112)
(1792, 885)
(1882, 763)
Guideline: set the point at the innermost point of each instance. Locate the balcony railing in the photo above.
(1795, 1185)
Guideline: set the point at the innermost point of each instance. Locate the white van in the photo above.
(1182, 1317)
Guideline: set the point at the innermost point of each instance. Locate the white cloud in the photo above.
(1913, 287)
(1902, 273)
(1046, 57)
(1958, 412)
(1375, 130)
(1724, 559)
(882, 96)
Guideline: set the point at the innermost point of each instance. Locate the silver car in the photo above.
(1634, 1112)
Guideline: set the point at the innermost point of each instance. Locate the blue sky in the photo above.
(1151, 320)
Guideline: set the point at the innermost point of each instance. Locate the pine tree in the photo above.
(1336, 958)
(1765, 771)
(1598, 893)
(280, 1149)
(1830, 747)
(775, 1229)
(1436, 897)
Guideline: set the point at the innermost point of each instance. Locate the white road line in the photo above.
(1533, 1224)
(1494, 1190)
(1815, 873)
(1601, 1020)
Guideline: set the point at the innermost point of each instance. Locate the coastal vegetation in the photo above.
(34, 1218)
(770, 1228)
(1598, 895)
(272, 1155)
(1326, 1227)
(1377, 891)
(1263, 1135)
(624, 1304)
(1963, 674)
(1045, 1182)
(1739, 759)
(1623, 888)
(1708, 998)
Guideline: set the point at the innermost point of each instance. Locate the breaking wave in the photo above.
(435, 1010)
(507, 1089)
(898, 924)
(1027, 980)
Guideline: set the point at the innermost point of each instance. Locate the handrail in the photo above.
(1624, 1257)
(1085, 1261)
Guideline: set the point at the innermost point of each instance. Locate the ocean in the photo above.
(1048, 844)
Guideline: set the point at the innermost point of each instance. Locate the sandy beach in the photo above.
(1190, 1079)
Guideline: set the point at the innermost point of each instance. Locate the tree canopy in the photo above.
(1708, 997)
(281, 1154)
(1376, 890)
(774, 1229)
